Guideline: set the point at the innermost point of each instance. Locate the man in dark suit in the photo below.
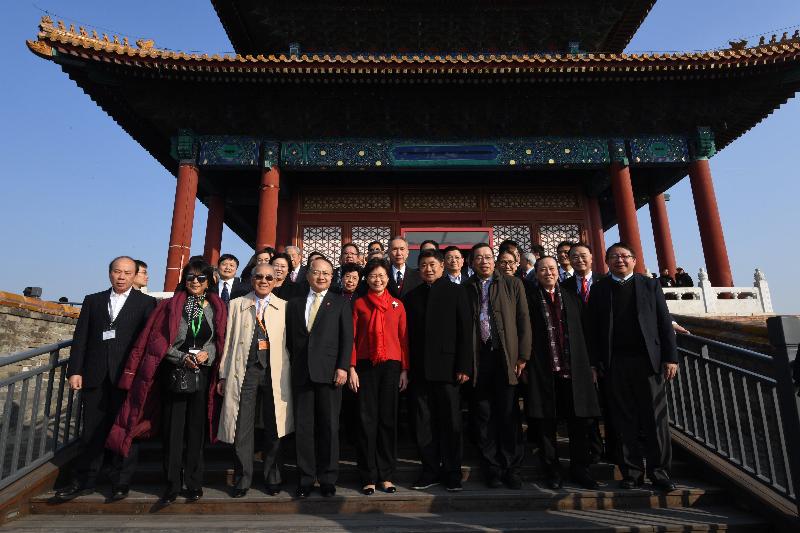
(580, 283)
(402, 279)
(503, 341)
(455, 269)
(440, 345)
(109, 323)
(349, 255)
(298, 270)
(228, 283)
(319, 337)
(560, 376)
(633, 343)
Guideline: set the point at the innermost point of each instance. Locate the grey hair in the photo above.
(398, 238)
(530, 258)
(297, 249)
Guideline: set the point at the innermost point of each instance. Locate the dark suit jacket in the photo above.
(653, 317)
(289, 290)
(440, 332)
(509, 306)
(571, 284)
(241, 287)
(411, 281)
(315, 356)
(95, 359)
(541, 388)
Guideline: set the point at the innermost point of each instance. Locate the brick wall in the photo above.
(22, 329)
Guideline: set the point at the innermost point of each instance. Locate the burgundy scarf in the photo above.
(377, 322)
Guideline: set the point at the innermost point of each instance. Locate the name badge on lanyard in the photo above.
(110, 333)
(263, 344)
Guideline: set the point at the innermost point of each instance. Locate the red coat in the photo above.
(395, 331)
(139, 416)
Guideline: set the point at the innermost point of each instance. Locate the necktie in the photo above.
(312, 315)
(584, 290)
(552, 296)
(485, 327)
(226, 296)
(293, 275)
(399, 279)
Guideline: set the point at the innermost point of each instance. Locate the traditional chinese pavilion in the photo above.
(352, 121)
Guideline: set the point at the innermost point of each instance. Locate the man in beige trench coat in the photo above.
(255, 360)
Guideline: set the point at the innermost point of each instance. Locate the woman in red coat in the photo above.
(378, 372)
(187, 330)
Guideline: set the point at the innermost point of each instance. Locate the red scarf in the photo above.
(377, 321)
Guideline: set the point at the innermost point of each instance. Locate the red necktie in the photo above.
(584, 290)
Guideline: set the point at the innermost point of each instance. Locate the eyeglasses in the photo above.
(375, 277)
(483, 258)
(506, 263)
(624, 257)
(321, 273)
(563, 252)
(265, 277)
(201, 278)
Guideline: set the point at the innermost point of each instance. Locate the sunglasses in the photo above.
(265, 277)
(201, 278)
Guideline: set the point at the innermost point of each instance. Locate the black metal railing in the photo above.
(741, 405)
(40, 414)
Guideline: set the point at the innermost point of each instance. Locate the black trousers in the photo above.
(184, 422)
(638, 405)
(496, 416)
(316, 424)
(100, 407)
(257, 380)
(438, 431)
(378, 395)
(578, 428)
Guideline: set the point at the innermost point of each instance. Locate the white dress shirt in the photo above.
(261, 305)
(455, 279)
(402, 270)
(115, 303)
(578, 281)
(618, 279)
(310, 301)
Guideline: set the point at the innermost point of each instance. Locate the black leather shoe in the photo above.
(327, 490)
(73, 490)
(192, 495)
(368, 490)
(168, 498)
(389, 489)
(120, 492)
(513, 481)
(239, 493)
(273, 489)
(585, 480)
(303, 491)
(628, 483)
(665, 484)
(493, 482)
(554, 482)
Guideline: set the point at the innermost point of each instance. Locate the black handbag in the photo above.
(184, 380)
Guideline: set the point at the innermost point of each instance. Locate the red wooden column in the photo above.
(180, 237)
(662, 234)
(286, 220)
(216, 218)
(625, 206)
(268, 207)
(597, 237)
(711, 236)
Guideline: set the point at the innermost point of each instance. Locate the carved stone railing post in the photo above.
(707, 292)
(760, 283)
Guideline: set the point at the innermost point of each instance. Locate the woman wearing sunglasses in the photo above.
(171, 366)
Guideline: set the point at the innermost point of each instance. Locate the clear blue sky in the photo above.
(77, 190)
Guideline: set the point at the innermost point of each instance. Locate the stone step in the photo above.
(642, 520)
(474, 498)
(407, 471)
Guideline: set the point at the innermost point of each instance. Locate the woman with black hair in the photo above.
(378, 373)
(284, 288)
(171, 366)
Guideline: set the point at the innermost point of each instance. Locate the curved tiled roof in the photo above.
(56, 39)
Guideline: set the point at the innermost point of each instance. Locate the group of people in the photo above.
(280, 343)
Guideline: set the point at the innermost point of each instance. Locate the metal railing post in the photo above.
(784, 336)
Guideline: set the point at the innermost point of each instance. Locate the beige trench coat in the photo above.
(239, 336)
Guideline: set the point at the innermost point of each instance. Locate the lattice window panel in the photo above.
(552, 234)
(520, 234)
(363, 235)
(323, 239)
